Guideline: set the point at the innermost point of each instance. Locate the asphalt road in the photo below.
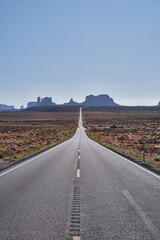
(79, 190)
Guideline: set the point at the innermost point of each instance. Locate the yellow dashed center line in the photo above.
(76, 238)
(78, 173)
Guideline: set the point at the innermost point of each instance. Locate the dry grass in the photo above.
(30, 132)
(126, 132)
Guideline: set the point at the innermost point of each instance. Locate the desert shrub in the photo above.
(13, 148)
(113, 126)
(18, 151)
(134, 154)
(33, 147)
(157, 159)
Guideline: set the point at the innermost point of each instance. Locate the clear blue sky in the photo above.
(73, 48)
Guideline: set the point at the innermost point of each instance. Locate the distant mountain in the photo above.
(6, 107)
(90, 100)
(100, 100)
(46, 104)
(71, 103)
(41, 102)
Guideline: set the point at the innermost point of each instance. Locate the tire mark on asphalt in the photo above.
(152, 228)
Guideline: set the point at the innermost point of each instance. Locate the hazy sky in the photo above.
(73, 48)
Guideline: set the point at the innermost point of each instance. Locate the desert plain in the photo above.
(126, 132)
(30, 132)
(123, 131)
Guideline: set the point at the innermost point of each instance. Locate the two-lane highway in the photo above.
(79, 190)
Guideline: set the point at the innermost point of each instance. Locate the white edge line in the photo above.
(30, 160)
(135, 164)
(152, 228)
(27, 161)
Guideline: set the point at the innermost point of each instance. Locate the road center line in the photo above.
(142, 215)
(76, 238)
(78, 173)
(78, 164)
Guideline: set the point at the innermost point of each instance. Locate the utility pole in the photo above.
(144, 143)
(10, 152)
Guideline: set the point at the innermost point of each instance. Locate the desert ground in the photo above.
(30, 132)
(126, 132)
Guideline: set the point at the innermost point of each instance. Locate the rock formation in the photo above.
(100, 100)
(71, 103)
(41, 102)
(6, 107)
(90, 100)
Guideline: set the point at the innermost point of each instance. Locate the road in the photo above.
(79, 190)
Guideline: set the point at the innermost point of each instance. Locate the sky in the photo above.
(73, 48)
